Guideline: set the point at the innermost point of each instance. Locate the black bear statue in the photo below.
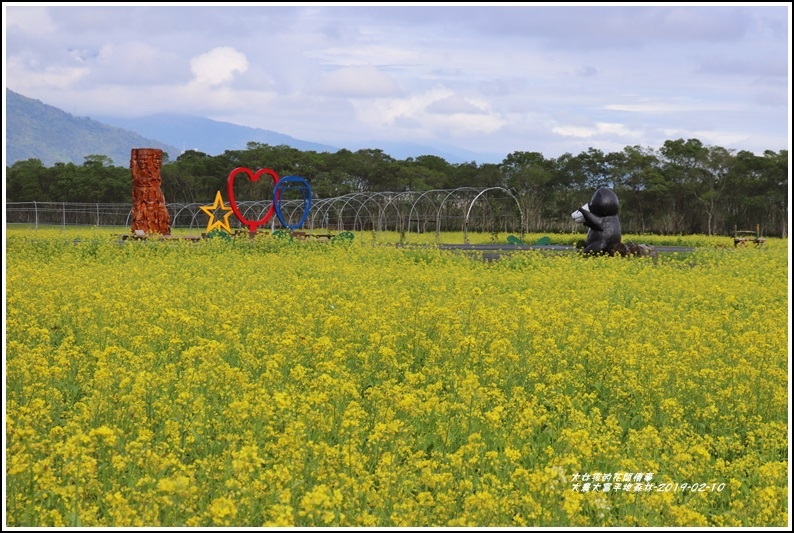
(600, 215)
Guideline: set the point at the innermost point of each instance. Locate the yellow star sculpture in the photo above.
(211, 209)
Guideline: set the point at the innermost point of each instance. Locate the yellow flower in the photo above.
(222, 511)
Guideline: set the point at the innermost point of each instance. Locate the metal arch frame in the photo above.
(375, 205)
(253, 204)
(195, 214)
(450, 192)
(441, 205)
(178, 208)
(361, 205)
(326, 207)
(318, 208)
(414, 204)
(373, 198)
(294, 205)
(468, 212)
(323, 208)
(393, 201)
(288, 209)
(377, 199)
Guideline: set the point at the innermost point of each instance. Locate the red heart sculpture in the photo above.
(252, 224)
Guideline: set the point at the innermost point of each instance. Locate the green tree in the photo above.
(713, 180)
(471, 175)
(596, 168)
(757, 192)
(99, 181)
(682, 166)
(64, 178)
(372, 170)
(421, 174)
(194, 177)
(638, 185)
(776, 167)
(27, 181)
(570, 190)
(529, 176)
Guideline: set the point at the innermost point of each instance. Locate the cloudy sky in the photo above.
(491, 79)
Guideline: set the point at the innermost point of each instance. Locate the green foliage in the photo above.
(685, 187)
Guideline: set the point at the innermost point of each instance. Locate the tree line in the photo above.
(684, 187)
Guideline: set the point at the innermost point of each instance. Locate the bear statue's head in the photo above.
(604, 203)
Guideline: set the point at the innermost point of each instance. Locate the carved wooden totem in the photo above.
(148, 202)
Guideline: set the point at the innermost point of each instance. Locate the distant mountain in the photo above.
(214, 137)
(37, 130)
(205, 135)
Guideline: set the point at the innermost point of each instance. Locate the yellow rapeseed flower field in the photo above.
(271, 382)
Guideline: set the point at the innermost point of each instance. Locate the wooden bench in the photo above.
(744, 236)
(319, 236)
(136, 237)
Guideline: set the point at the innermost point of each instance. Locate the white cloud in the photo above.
(366, 55)
(135, 63)
(505, 78)
(384, 112)
(673, 132)
(218, 66)
(600, 128)
(573, 131)
(215, 102)
(32, 20)
(503, 87)
(670, 107)
(366, 81)
(27, 79)
(461, 124)
(719, 138)
(586, 71)
(644, 108)
(420, 114)
(616, 129)
(455, 104)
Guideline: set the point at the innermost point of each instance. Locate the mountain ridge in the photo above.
(35, 130)
(187, 132)
(38, 130)
(214, 137)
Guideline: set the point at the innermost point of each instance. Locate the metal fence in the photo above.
(67, 214)
(188, 216)
(466, 209)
